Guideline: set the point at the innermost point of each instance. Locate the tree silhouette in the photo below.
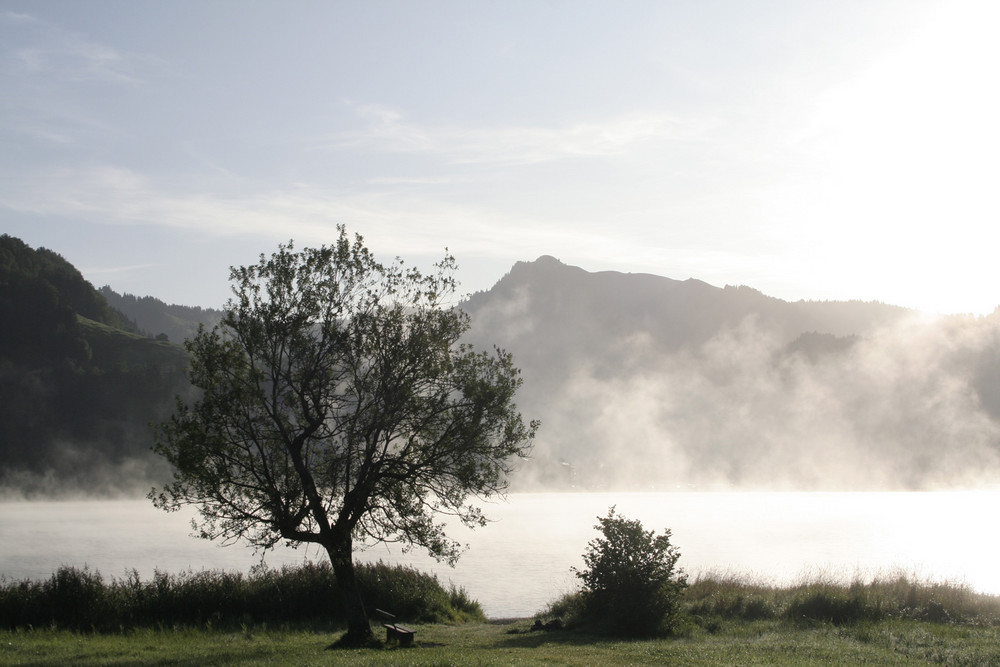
(339, 406)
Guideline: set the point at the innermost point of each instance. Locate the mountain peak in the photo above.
(545, 269)
(543, 263)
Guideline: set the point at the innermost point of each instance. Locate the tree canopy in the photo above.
(340, 405)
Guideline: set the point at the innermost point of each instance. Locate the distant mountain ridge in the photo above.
(641, 382)
(552, 314)
(682, 310)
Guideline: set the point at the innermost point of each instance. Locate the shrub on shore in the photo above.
(305, 595)
(631, 584)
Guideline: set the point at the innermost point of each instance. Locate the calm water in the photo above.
(519, 563)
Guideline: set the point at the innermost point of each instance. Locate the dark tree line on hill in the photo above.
(155, 318)
(78, 383)
(41, 295)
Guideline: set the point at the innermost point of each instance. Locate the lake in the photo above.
(520, 562)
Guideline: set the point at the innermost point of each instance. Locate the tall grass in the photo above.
(840, 603)
(305, 595)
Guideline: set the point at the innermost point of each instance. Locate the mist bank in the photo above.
(643, 382)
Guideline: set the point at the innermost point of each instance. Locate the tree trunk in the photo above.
(359, 631)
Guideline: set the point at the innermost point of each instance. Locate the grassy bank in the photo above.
(726, 622)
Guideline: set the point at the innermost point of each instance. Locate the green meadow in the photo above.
(725, 621)
(895, 642)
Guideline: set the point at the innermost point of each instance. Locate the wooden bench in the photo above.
(394, 630)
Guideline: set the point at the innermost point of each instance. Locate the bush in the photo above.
(630, 583)
(413, 595)
(570, 606)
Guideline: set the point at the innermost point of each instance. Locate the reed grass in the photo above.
(881, 598)
(304, 596)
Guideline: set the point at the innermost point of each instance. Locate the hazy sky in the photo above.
(811, 150)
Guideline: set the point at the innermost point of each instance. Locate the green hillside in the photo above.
(156, 318)
(79, 385)
(112, 347)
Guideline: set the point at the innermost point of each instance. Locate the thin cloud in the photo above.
(46, 135)
(115, 195)
(387, 130)
(400, 221)
(17, 18)
(51, 51)
(411, 180)
(116, 270)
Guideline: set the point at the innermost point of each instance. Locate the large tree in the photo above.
(339, 407)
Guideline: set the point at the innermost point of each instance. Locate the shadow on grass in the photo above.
(348, 643)
(531, 639)
(223, 657)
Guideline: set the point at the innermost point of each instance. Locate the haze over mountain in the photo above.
(641, 382)
(646, 382)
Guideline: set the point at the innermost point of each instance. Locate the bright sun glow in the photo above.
(899, 167)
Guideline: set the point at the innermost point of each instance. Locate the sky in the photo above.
(811, 150)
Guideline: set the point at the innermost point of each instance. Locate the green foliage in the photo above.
(414, 595)
(78, 385)
(339, 404)
(306, 595)
(338, 401)
(570, 607)
(630, 583)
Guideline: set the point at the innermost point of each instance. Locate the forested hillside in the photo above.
(155, 318)
(79, 384)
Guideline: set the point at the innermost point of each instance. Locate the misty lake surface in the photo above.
(521, 561)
